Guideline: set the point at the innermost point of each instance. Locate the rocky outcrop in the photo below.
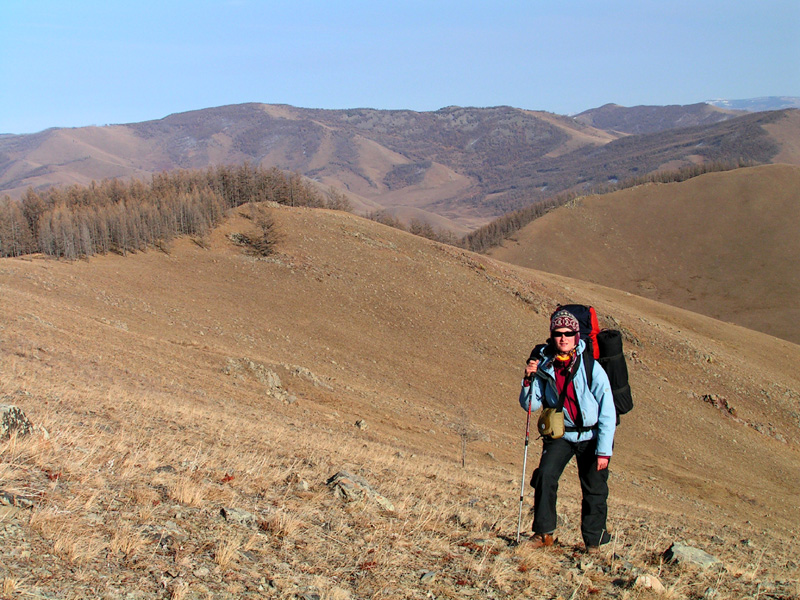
(13, 420)
(244, 367)
(687, 555)
(351, 488)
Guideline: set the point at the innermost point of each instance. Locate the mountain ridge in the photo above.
(457, 167)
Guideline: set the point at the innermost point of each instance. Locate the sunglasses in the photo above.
(564, 334)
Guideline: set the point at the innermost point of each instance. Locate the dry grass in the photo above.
(141, 455)
(10, 587)
(227, 551)
(187, 490)
(126, 541)
(446, 521)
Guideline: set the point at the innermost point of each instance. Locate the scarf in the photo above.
(565, 360)
(562, 364)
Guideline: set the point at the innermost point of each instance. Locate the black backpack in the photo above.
(603, 346)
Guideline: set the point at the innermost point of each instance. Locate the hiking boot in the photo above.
(541, 540)
(604, 539)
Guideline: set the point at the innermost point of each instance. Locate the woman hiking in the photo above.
(558, 379)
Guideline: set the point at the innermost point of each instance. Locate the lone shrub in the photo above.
(265, 238)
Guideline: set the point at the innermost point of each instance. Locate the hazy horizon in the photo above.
(98, 63)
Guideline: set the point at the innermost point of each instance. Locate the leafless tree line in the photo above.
(122, 217)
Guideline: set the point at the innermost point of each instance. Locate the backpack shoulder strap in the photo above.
(588, 367)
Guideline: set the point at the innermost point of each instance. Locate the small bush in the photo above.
(265, 238)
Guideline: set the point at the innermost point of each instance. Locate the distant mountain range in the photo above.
(758, 104)
(652, 119)
(455, 168)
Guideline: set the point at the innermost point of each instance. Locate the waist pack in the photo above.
(551, 423)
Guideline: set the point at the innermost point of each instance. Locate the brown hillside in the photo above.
(723, 244)
(151, 375)
(456, 167)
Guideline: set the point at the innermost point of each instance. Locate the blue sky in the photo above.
(86, 62)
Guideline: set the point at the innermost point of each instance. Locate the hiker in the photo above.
(589, 421)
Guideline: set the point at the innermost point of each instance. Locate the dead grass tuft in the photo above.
(77, 549)
(282, 524)
(227, 552)
(11, 587)
(126, 541)
(187, 490)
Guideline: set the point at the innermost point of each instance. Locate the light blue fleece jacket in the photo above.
(597, 404)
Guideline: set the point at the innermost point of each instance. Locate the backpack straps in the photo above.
(588, 367)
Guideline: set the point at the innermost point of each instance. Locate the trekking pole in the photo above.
(524, 462)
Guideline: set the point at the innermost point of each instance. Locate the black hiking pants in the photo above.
(594, 485)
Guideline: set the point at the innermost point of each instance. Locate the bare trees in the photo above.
(15, 234)
(115, 216)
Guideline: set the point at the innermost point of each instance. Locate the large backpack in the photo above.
(590, 327)
(603, 346)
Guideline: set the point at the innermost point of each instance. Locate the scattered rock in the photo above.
(649, 582)
(9, 499)
(361, 424)
(13, 420)
(687, 555)
(167, 536)
(240, 516)
(306, 374)
(719, 403)
(297, 483)
(428, 577)
(351, 487)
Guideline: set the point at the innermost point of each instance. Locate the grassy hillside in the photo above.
(723, 244)
(153, 380)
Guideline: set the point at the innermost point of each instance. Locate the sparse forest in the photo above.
(122, 217)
